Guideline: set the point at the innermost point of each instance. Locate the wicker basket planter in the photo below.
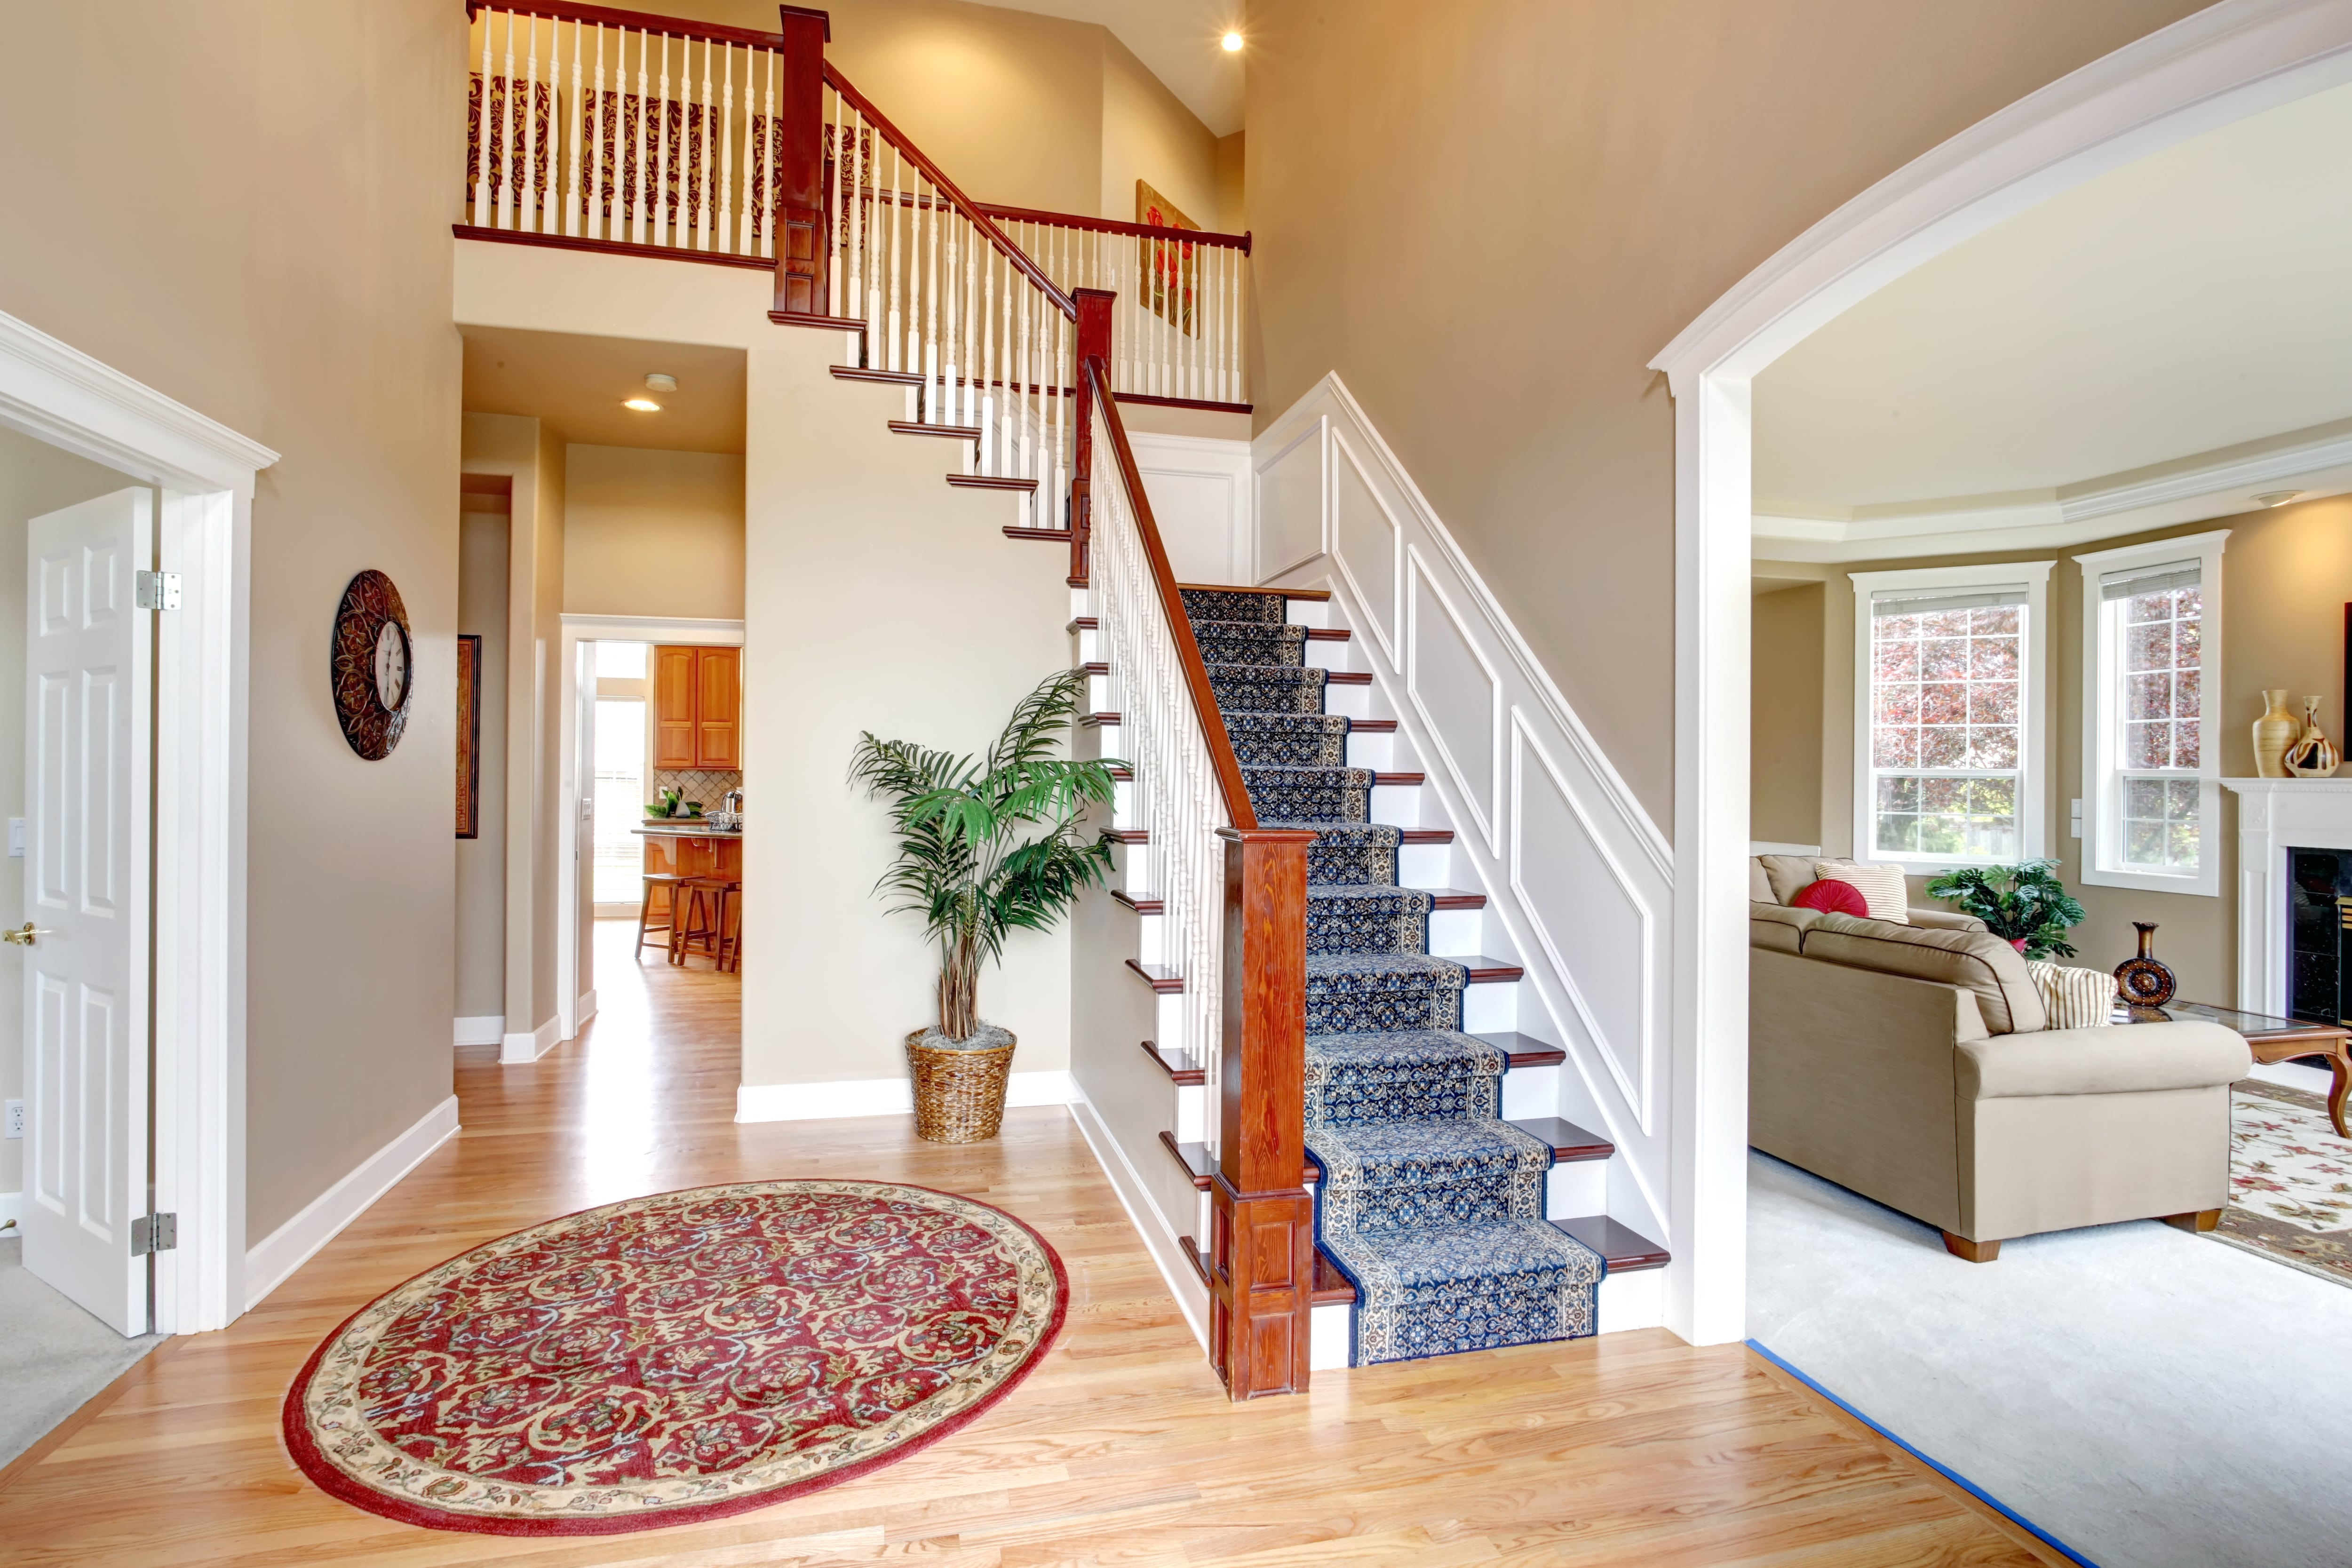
(960, 1090)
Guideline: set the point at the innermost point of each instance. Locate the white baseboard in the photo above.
(12, 1208)
(515, 1050)
(482, 1030)
(878, 1097)
(1184, 1280)
(269, 1261)
(583, 1010)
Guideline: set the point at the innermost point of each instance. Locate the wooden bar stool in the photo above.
(654, 880)
(705, 920)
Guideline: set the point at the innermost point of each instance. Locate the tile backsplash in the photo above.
(710, 787)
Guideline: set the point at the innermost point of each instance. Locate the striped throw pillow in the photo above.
(2075, 998)
(1882, 887)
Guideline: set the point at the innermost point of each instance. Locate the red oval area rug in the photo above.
(675, 1358)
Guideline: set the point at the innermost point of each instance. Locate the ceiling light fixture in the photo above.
(643, 405)
(1233, 42)
(2277, 497)
(660, 383)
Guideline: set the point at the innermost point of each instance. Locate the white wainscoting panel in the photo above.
(1579, 879)
(1200, 493)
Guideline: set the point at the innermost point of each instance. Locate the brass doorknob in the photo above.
(24, 936)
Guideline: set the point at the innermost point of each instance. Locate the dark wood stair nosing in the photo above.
(1128, 835)
(1372, 726)
(1047, 535)
(1328, 634)
(995, 482)
(892, 377)
(1145, 906)
(1453, 899)
(1347, 678)
(1627, 1249)
(1427, 835)
(1315, 595)
(1525, 1050)
(1158, 976)
(1399, 781)
(809, 318)
(920, 427)
(1330, 1285)
(1194, 1157)
(1086, 624)
(1485, 971)
(1195, 1256)
(1568, 1142)
(1183, 1077)
(1096, 666)
(1096, 720)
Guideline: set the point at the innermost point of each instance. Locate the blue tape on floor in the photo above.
(1944, 1471)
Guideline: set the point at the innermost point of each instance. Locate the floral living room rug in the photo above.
(2290, 1181)
(675, 1358)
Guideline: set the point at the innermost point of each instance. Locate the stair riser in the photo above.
(1456, 933)
(1532, 1091)
(1191, 1119)
(1426, 865)
(1097, 694)
(1491, 1009)
(1355, 701)
(1576, 1186)
(1375, 751)
(1635, 1299)
(1396, 805)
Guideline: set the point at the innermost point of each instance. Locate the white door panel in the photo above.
(86, 890)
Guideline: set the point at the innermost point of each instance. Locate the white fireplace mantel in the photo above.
(2273, 816)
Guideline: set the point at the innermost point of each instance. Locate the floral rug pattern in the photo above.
(675, 1358)
(2290, 1181)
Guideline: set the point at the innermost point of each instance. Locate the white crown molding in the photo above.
(55, 392)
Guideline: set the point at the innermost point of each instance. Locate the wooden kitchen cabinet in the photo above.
(698, 708)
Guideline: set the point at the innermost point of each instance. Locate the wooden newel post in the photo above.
(801, 229)
(1262, 1247)
(1093, 349)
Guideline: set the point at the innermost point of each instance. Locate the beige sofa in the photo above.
(1913, 1065)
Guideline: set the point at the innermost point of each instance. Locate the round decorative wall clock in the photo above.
(370, 665)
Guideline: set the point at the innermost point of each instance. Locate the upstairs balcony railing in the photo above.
(602, 128)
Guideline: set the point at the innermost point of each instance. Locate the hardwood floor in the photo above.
(1121, 1449)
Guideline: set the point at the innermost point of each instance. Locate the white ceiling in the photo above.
(577, 384)
(2153, 346)
(1179, 41)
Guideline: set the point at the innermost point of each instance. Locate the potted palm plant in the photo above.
(987, 845)
(2026, 906)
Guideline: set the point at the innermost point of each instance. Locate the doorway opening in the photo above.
(621, 747)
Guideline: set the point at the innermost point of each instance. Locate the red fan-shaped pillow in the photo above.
(1831, 897)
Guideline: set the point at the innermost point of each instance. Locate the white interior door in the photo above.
(86, 892)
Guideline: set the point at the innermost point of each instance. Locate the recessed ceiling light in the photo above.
(1233, 42)
(660, 382)
(643, 405)
(2277, 497)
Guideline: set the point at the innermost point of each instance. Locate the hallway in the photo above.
(1121, 1449)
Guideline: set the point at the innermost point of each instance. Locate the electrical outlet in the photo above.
(16, 1118)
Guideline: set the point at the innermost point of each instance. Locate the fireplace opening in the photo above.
(2319, 926)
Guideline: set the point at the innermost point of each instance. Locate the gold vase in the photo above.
(2274, 732)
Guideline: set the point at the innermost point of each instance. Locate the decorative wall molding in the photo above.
(878, 1097)
(1183, 1280)
(276, 1255)
(53, 391)
(1578, 878)
(1201, 494)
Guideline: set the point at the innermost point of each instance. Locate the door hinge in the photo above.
(157, 590)
(155, 1233)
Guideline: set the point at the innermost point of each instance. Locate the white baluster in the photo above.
(530, 203)
(704, 150)
(837, 228)
(725, 134)
(665, 227)
(1053, 510)
(637, 185)
(769, 173)
(506, 137)
(932, 385)
(898, 259)
(482, 131)
(571, 135)
(987, 443)
(952, 308)
(862, 243)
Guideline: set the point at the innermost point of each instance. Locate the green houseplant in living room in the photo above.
(2026, 906)
(986, 846)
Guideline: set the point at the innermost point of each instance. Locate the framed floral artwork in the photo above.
(1170, 269)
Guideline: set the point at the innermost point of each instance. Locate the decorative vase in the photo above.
(2274, 732)
(2314, 755)
(2143, 981)
(959, 1086)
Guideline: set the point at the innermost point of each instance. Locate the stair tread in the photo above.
(1160, 978)
(1143, 906)
(1315, 595)
(1201, 1166)
(1049, 535)
(1195, 1256)
(1566, 1140)
(1128, 835)
(1178, 1065)
(1328, 634)
(1625, 1248)
(994, 482)
(1525, 1050)
(894, 377)
(918, 427)
(1330, 1285)
(1453, 899)
(1347, 678)
(1372, 726)
(1483, 969)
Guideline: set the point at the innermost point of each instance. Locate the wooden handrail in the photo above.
(1240, 242)
(972, 210)
(634, 21)
(1228, 768)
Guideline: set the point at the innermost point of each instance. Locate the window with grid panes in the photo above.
(2155, 634)
(1948, 715)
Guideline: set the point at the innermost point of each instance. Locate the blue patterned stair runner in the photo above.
(1430, 1203)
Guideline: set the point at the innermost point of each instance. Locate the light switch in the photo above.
(2075, 823)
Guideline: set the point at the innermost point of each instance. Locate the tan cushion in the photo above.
(1786, 875)
(1882, 887)
(1944, 920)
(2188, 1052)
(1760, 886)
(1970, 959)
(1777, 927)
(2075, 998)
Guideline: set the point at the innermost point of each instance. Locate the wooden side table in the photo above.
(2273, 1040)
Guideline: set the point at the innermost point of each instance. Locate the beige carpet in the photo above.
(53, 1356)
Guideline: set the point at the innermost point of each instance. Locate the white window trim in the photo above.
(2033, 702)
(2101, 810)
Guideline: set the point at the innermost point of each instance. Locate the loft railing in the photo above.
(1176, 337)
(1233, 898)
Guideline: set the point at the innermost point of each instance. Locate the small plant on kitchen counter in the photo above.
(2026, 906)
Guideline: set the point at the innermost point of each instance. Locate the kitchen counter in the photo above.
(686, 827)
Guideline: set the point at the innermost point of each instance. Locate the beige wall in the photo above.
(653, 533)
(480, 922)
(921, 623)
(2285, 577)
(1018, 109)
(1612, 169)
(35, 478)
(1785, 716)
(272, 248)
